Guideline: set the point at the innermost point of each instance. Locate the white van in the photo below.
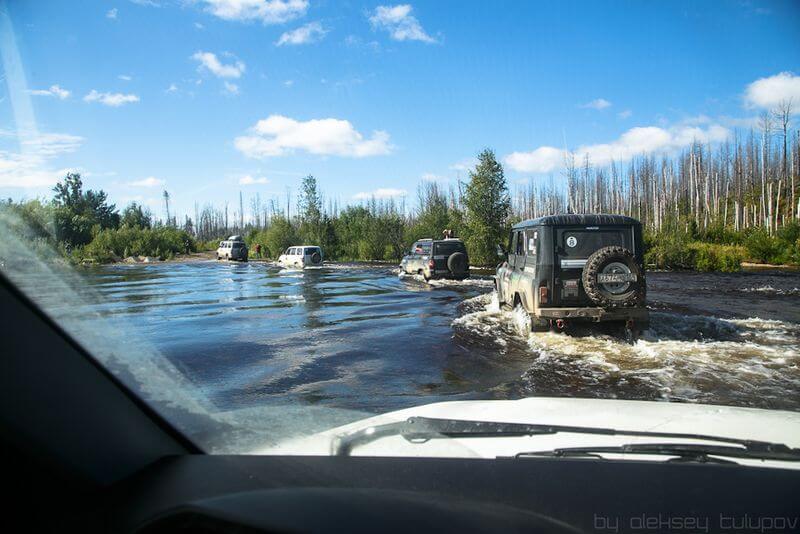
(233, 248)
(299, 257)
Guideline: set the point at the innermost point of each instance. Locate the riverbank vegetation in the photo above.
(710, 207)
(85, 228)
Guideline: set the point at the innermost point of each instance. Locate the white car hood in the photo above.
(724, 421)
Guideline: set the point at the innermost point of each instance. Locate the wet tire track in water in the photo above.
(362, 337)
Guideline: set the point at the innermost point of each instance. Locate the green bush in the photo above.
(720, 234)
(704, 259)
(713, 257)
(790, 233)
(782, 248)
(114, 244)
(279, 236)
(209, 245)
(675, 251)
(668, 251)
(761, 247)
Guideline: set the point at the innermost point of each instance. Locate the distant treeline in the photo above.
(708, 207)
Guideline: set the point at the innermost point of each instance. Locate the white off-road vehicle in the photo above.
(233, 248)
(300, 257)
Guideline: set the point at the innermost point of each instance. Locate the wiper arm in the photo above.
(682, 451)
(421, 429)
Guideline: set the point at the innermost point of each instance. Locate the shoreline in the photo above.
(766, 266)
(210, 255)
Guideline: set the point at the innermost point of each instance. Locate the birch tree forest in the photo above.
(749, 181)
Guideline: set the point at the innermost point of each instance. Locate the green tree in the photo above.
(488, 206)
(79, 214)
(349, 227)
(136, 216)
(433, 214)
(311, 224)
(279, 236)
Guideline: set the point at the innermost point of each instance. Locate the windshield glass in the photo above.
(163, 164)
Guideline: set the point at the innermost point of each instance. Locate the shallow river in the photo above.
(365, 338)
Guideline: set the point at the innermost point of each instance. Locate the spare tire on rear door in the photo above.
(457, 263)
(316, 257)
(613, 279)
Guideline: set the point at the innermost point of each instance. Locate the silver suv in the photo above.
(564, 269)
(442, 258)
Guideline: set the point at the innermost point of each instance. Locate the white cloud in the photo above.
(356, 42)
(231, 88)
(543, 159)
(112, 13)
(381, 193)
(288, 83)
(464, 165)
(29, 167)
(199, 26)
(400, 23)
(150, 181)
(49, 145)
(148, 3)
(431, 177)
(624, 114)
(211, 63)
(125, 77)
(54, 90)
(278, 135)
(309, 33)
(266, 11)
(597, 103)
(110, 99)
(250, 180)
(634, 142)
(171, 89)
(771, 91)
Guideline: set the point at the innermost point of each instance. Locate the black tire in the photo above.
(632, 296)
(316, 258)
(457, 263)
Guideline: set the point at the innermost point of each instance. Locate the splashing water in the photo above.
(695, 358)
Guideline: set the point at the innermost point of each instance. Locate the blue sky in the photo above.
(206, 98)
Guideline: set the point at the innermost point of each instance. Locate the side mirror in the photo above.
(501, 252)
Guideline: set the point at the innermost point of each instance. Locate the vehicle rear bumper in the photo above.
(595, 314)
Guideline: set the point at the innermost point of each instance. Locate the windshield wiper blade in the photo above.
(682, 451)
(421, 429)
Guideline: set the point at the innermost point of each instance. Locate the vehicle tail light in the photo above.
(431, 265)
(542, 295)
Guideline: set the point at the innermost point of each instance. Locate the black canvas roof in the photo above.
(577, 219)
